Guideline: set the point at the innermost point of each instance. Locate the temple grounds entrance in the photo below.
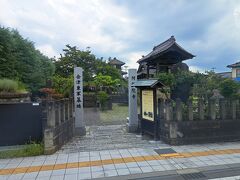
(94, 116)
(109, 137)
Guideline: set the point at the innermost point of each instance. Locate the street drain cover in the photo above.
(193, 176)
(165, 151)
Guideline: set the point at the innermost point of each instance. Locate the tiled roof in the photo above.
(164, 46)
(237, 64)
(116, 62)
(147, 83)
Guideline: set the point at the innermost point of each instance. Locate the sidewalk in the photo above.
(108, 163)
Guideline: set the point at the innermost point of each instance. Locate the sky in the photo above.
(128, 29)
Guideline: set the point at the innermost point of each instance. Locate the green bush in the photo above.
(229, 88)
(32, 149)
(11, 86)
(63, 85)
(167, 79)
(102, 97)
(7, 85)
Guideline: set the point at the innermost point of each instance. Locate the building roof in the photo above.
(147, 83)
(167, 48)
(115, 61)
(237, 64)
(225, 74)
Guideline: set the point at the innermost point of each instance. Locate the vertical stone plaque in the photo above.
(132, 101)
(78, 101)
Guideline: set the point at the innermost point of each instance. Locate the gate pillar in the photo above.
(132, 101)
(78, 102)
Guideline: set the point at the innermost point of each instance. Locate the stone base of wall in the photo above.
(193, 132)
(195, 140)
(14, 97)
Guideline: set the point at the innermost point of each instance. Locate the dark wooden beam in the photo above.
(147, 71)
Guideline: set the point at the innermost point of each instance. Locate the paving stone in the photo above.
(153, 163)
(59, 177)
(146, 169)
(43, 178)
(110, 173)
(84, 176)
(32, 175)
(142, 164)
(71, 177)
(132, 165)
(44, 173)
(135, 170)
(71, 171)
(121, 166)
(96, 168)
(98, 174)
(109, 167)
(4, 177)
(123, 171)
(107, 138)
(58, 172)
(15, 176)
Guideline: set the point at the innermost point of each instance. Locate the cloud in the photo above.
(127, 30)
(132, 58)
(48, 50)
(103, 26)
(196, 69)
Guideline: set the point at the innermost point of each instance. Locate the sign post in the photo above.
(78, 102)
(132, 101)
(148, 106)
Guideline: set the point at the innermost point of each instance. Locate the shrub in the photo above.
(63, 85)
(167, 79)
(102, 96)
(8, 85)
(32, 149)
(11, 86)
(229, 88)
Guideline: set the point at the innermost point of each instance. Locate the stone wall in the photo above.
(58, 124)
(119, 98)
(14, 97)
(199, 122)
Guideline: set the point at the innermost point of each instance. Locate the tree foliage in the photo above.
(71, 57)
(21, 61)
(184, 84)
(95, 71)
(229, 88)
(91, 65)
(63, 85)
(168, 79)
(106, 81)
